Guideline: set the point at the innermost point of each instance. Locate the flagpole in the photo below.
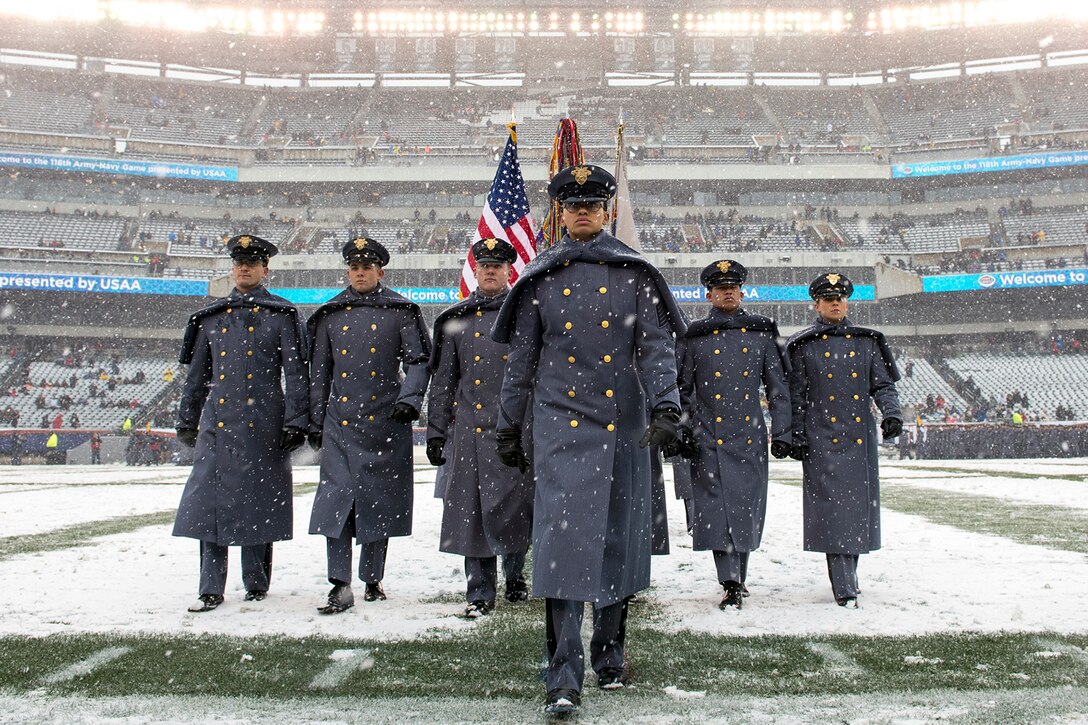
(623, 214)
(619, 165)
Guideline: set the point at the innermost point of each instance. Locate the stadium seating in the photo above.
(932, 233)
(50, 383)
(52, 102)
(675, 122)
(1059, 102)
(1062, 225)
(811, 115)
(924, 381)
(180, 112)
(1047, 380)
(69, 231)
(950, 109)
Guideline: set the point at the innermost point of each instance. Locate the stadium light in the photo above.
(744, 23)
(248, 16)
(981, 13)
(171, 15)
(47, 10)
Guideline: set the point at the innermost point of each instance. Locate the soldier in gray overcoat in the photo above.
(590, 324)
(487, 507)
(368, 377)
(725, 359)
(244, 423)
(836, 367)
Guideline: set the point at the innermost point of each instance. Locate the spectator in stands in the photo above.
(16, 441)
(836, 369)
(249, 347)
(96, 448)
(361, 415)
(53, 454)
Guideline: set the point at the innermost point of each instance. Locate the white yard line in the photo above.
(86, 666)
(344, 663)
(836, 660)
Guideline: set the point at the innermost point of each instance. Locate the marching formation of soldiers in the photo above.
(549, 403)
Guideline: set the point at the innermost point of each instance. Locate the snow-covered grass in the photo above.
(956, 617)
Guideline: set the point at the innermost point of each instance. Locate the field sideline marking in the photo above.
(344, 663)
(87, 666)
(838, 660)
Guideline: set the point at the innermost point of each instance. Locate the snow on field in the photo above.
(1072, 467)
(143, 581)
(22, 514)
(927, 578)
(36, 499)
(1040, 491)
(1064, 705)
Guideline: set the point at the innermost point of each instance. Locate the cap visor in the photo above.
(582, 199)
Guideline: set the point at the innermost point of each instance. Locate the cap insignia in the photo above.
(724, 266)
(834, 278)
(360, 243)
(244, 242)
(491, 244)
(581, 174)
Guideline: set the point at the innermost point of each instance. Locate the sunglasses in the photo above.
(587, 205)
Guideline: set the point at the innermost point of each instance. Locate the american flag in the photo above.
(505, 216)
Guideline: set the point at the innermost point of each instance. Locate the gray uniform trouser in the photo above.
(843, 570)
(256, 567)
(566, 663)
(371, 557)
(732, 565)
(483, 573)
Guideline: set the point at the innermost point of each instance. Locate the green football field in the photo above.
(973, 612)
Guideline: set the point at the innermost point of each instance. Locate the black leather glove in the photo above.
(689, 447)
(404, 413)
(684, 445)
(664, 421)
(799, 452)
(187, 437)
(891, 427)
(510, 451)
(292, 439)
(671, 449)
(780, 449)
(315, 440)
(434, 451)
